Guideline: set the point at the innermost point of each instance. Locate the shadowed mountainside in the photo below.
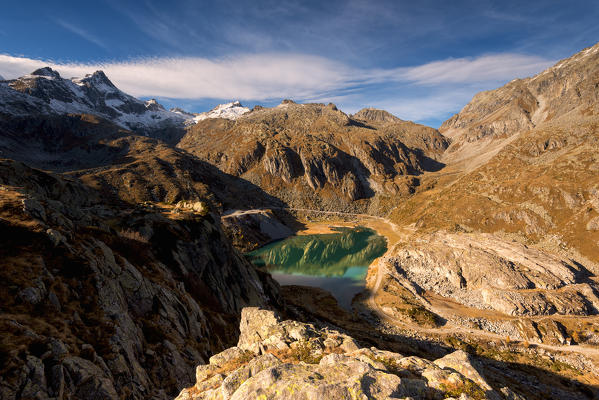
(117, 276)
(101, 297)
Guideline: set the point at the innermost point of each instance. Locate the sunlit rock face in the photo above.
(316, 156)
(487, 272)
(277, 359)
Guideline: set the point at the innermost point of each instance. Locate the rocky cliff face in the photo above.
(291, 360)
(486, 272)
(315, 156)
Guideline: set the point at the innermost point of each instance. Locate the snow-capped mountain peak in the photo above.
(97, 80)
(231, 111)
(44, 91)
(46, 72)
(153, 105)
(182, 112)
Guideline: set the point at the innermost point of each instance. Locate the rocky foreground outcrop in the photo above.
(277, 359)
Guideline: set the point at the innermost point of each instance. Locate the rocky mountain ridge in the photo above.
(376, 115)
(315, 156)
(564, 92)
(531, 180)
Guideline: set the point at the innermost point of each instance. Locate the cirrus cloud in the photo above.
(495, 67)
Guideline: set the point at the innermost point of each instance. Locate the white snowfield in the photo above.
(232, 111)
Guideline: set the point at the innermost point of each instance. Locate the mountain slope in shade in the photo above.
(105, 294)
(100, 297)
(45, 92)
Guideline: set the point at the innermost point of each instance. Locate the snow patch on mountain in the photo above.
(45, 92)
(182, 112)
(231, 111)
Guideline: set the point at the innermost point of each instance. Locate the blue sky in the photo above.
(420, 60)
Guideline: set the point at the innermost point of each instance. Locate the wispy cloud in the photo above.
(245, 77)
(443, 86)
(165, 30)
(497, 67)
(81, 33)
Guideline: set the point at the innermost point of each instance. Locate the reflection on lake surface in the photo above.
(336, 262)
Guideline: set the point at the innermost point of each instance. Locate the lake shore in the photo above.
(390, 231)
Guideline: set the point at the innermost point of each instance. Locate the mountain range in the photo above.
(119, 275)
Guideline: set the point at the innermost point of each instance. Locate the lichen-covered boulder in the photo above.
(277, 359)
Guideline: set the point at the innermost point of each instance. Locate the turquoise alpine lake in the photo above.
(336, 262)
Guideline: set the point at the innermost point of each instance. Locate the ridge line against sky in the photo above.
(271, 77)
(421, 61)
